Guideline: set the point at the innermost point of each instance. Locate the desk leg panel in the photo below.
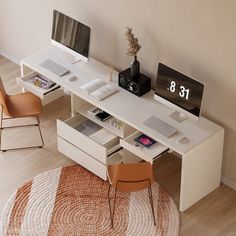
(201, 170)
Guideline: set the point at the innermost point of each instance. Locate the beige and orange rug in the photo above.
(71, 201)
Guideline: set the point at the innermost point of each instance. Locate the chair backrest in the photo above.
(3, 97)
(130, 177)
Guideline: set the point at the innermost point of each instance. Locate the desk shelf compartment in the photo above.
(46, 95)
(147, 153)
(68, 130)
(124, 130)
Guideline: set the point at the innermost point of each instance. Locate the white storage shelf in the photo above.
(67, 130)
(105, 124)
(46, 95)
(145, 153)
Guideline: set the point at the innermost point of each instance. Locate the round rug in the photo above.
(72, 201)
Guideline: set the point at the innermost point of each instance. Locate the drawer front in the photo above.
(47, 94)
(81, 141)
(145, 153)
(82, 158)
(30, 87)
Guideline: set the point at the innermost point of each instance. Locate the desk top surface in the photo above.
(123, 105)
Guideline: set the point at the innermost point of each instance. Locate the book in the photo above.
(104, 137)
(41, 82)
(99, 89)
(102, 115)
(94, 111)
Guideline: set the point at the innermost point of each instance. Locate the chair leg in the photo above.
(20, 148)
(40, 132)
(108, 196)
(114, 209)
(112, 213)
(1, 129)
(151, 202)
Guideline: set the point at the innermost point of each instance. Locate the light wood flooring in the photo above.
(214, 215)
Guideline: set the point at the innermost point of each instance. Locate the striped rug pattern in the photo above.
(71, 201)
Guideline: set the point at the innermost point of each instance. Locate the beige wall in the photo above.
(196, 37)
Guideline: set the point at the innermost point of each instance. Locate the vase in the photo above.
(135, 66)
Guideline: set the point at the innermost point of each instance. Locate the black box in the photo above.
(137, 86)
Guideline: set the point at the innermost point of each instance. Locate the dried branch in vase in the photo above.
(134, 46)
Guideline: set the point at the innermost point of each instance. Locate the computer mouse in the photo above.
(183, 140)
(73, 78)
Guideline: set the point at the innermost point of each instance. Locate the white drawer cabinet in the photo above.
(67, 130)
(82, 158)
(84, 150)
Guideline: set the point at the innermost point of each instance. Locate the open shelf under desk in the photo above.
(105, 124)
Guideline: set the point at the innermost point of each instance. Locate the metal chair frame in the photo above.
(15, 126)
(112, 214)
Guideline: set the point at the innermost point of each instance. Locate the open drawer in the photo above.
(70, 130)
(47, 95)
(146, 153)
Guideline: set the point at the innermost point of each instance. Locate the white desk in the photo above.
(201, 156)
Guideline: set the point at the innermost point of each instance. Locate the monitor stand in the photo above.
(71, 59)
(178, 116)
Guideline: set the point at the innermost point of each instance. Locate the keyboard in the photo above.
(160, 126)
(54, 67)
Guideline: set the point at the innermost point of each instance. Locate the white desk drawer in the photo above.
(47, 95)
(147, 153)
(67, 130)
(82, 158)
(86, 160)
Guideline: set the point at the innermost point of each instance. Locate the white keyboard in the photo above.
(160, 126)
(54, 67)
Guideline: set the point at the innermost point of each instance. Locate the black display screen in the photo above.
(179, 89)
(71, 33)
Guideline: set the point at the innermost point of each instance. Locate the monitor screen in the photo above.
(179, 89)
(71, 33)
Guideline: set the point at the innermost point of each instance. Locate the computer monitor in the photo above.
(72, 36)
(179, 92)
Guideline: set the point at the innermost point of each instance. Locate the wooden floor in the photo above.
(214, 215)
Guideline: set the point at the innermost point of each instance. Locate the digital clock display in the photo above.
(179, 89)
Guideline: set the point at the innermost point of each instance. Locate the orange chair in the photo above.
(19, 106)
(130, 177)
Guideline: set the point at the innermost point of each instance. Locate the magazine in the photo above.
(41, 82)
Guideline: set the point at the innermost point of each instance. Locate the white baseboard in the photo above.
(9, 56)
(228, 182)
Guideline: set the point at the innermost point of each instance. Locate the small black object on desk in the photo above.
(137, 86)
